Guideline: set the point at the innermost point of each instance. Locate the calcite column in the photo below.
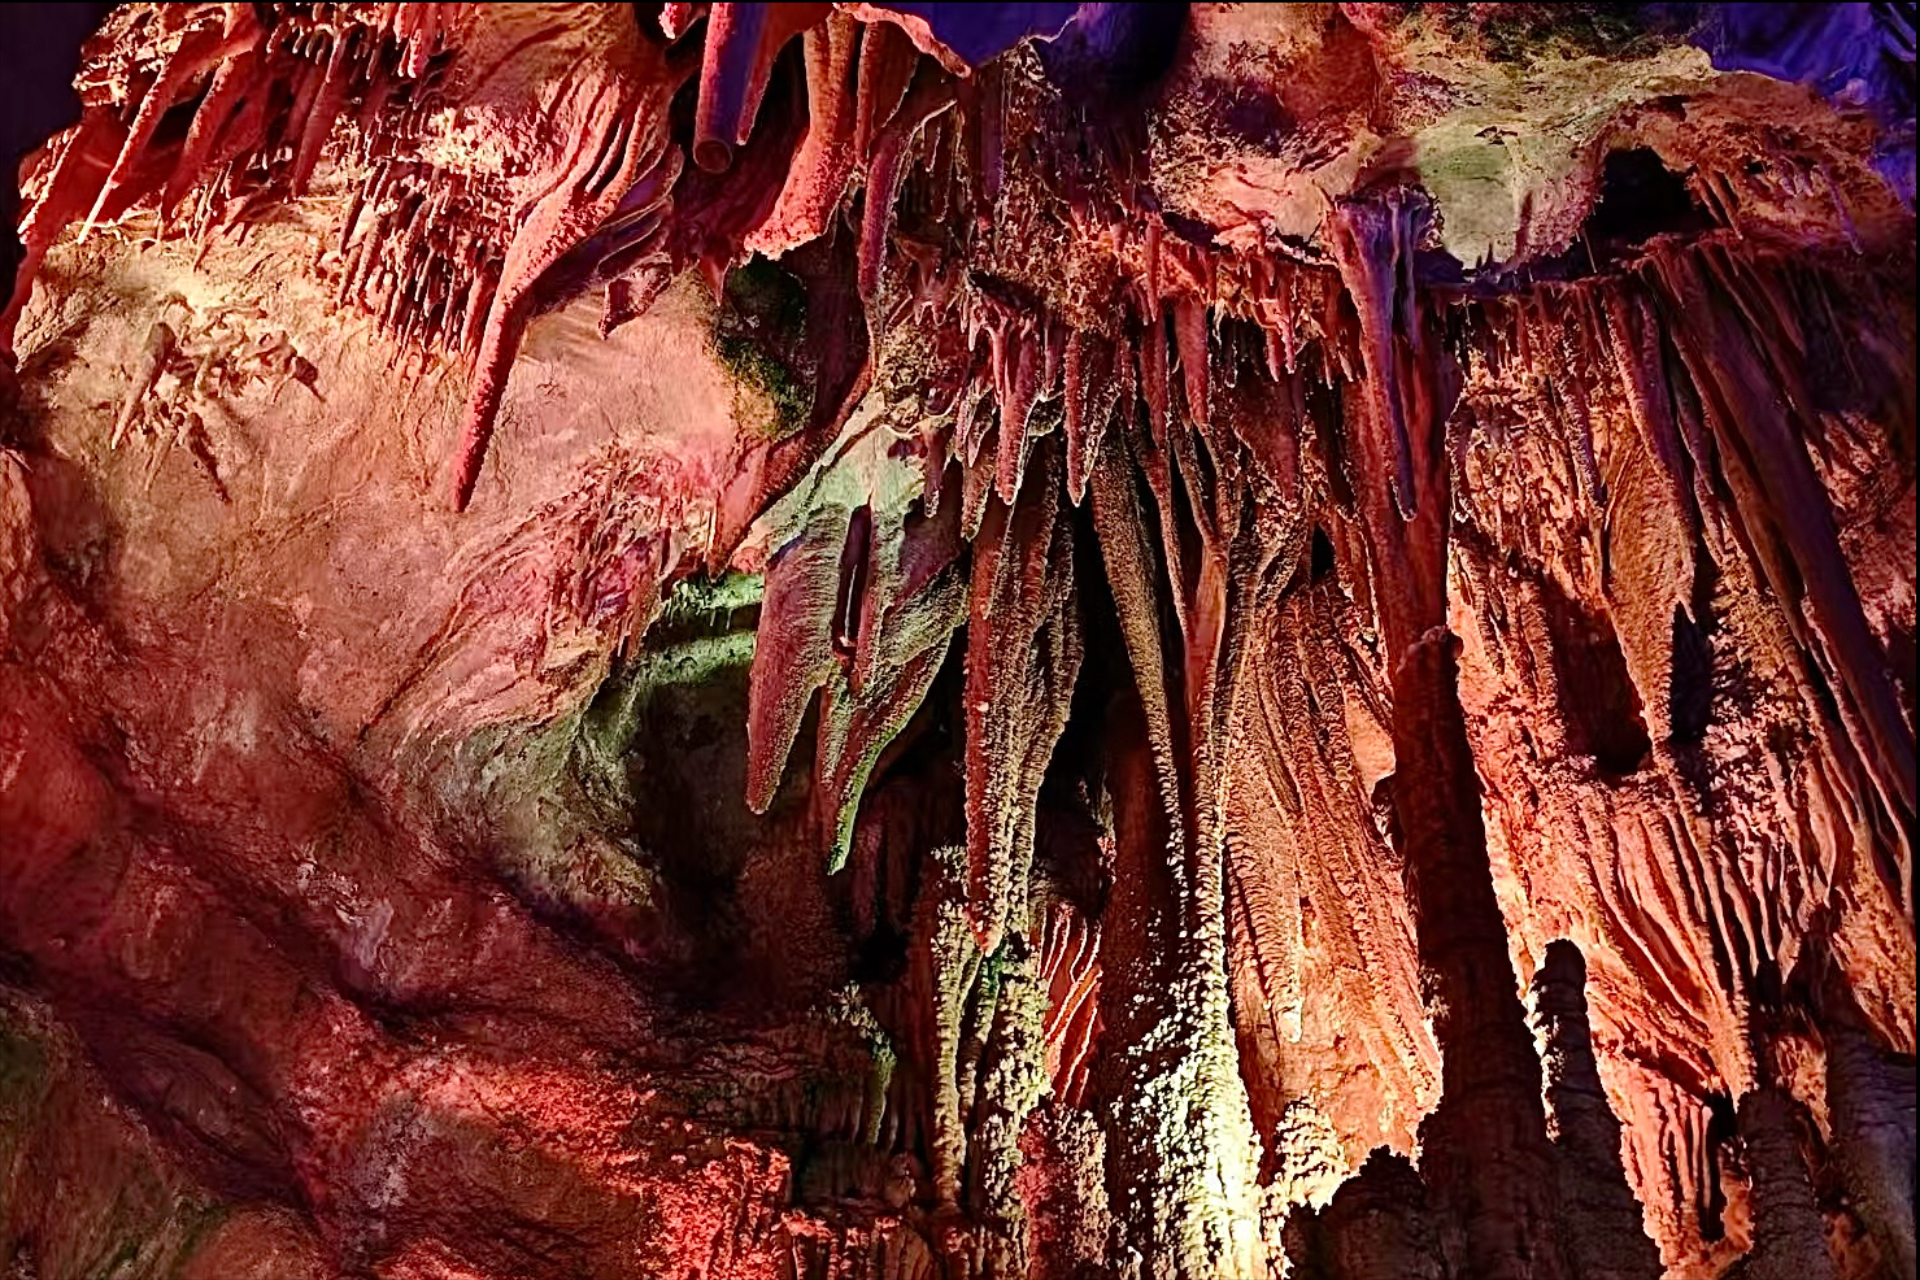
(1870, 1100)
(1484, 1150)
(1184, 1153)
(1376, 1227)
(1180, 1161)
(1069, 1222)
(1788, 1235)
(1603, 1225)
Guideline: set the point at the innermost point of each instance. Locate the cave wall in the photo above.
(832, 640)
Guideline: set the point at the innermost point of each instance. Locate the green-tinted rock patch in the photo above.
(1525, 32)
(760, 333)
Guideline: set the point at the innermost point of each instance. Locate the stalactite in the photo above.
(886, 167)
(887, 64)
(1769, 468)
(1098, 381)
(742, 42)
(1375, 241)
(1321, 941)
(325, 108)
(616, 135)
(68, 189)
(907, 618)
(1398, 434)
(1653, 539)
(1018, 362)
(236, 78)
(200, 49)
(1023, 657)
(817, 177)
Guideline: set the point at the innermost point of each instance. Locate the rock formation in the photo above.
(919, 641)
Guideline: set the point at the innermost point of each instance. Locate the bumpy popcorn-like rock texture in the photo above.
(924, 641)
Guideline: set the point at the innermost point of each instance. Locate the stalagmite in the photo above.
(1870, 1099)
(1788, 1241)
(1485, 1143)
(1602, 1218)
(1378, 1226)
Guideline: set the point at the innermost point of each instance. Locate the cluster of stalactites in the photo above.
(1714, 361)
(1019, 444)
(266, 86)
(1195, 423)
(449, 258)
(459, 259)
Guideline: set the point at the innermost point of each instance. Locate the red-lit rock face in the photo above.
(813, 641)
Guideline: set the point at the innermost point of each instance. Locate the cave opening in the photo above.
(1690, 692)
(1640, 198)
(1601, 707)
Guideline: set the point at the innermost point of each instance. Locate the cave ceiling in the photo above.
(918, 642)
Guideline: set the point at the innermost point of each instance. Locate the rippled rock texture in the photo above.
(932, 641)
